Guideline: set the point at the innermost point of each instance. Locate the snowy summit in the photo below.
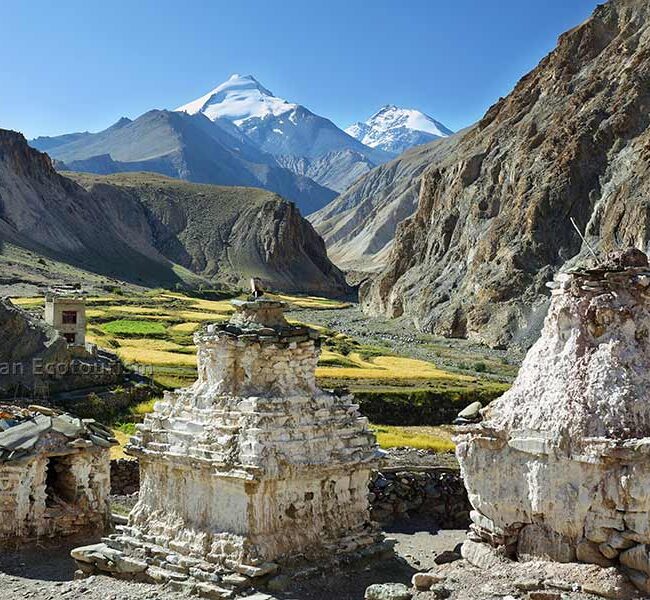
(238, 99)
(305, 143)
(395, 130)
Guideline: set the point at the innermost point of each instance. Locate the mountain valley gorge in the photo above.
(457, 232)
(493, 223)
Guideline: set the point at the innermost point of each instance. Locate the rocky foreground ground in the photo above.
(46, 573)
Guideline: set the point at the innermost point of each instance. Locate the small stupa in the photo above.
(252, 469)
(559, 466)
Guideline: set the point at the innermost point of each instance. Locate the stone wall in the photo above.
(26, 512)
(125, 477)
(435, 493)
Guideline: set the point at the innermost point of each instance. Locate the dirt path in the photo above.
(46, 573)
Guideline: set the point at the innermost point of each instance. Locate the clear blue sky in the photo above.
(73, 65)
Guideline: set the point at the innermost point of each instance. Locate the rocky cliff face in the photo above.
(52, 216)
(359, 225)
(493, 222)
(141, 227)
(25, 337)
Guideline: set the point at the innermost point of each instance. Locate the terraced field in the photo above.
(154, 332)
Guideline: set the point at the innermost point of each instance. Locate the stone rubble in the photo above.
(558, 467)
(250, 470)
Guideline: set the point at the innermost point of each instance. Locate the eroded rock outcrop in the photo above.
(558, 468)
(493, 222)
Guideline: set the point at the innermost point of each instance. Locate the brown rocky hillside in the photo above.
(493, 222)
(155, 231)
(359, 225)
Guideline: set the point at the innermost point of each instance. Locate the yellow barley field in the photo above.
(187, 327)
(392, 367)
(155, 357)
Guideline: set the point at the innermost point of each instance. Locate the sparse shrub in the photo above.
(126, 428)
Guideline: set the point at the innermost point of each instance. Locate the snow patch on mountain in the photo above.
(238, 99)
(395, 129)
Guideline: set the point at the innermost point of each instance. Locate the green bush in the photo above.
(126, 428)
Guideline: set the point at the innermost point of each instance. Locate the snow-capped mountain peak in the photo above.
(238, 99)
(395, 129)
(300, 140)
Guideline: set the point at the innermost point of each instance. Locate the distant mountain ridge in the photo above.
(395, 130)
(156, 231)
(359, 225)
(189, 147)
(241, 134)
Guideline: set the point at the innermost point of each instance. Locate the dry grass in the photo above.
(155, 357)
(425, 438)
(117, 452)
(144, 408)
(189, 327)
(313, 302)
(190, 315)
(174, 381)
(138, 310)
(213, 306)
(378, 367)
(28, 302)
(145, 344)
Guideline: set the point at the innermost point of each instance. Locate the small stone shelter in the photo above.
(65, 311)
(54, 474)
(250, 470)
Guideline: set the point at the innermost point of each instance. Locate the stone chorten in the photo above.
(252, 468)
(559, 467)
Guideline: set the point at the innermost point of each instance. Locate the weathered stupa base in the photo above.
(548, 575)
(125, 555)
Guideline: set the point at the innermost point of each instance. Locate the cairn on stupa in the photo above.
(559, 466)
(251, 470)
